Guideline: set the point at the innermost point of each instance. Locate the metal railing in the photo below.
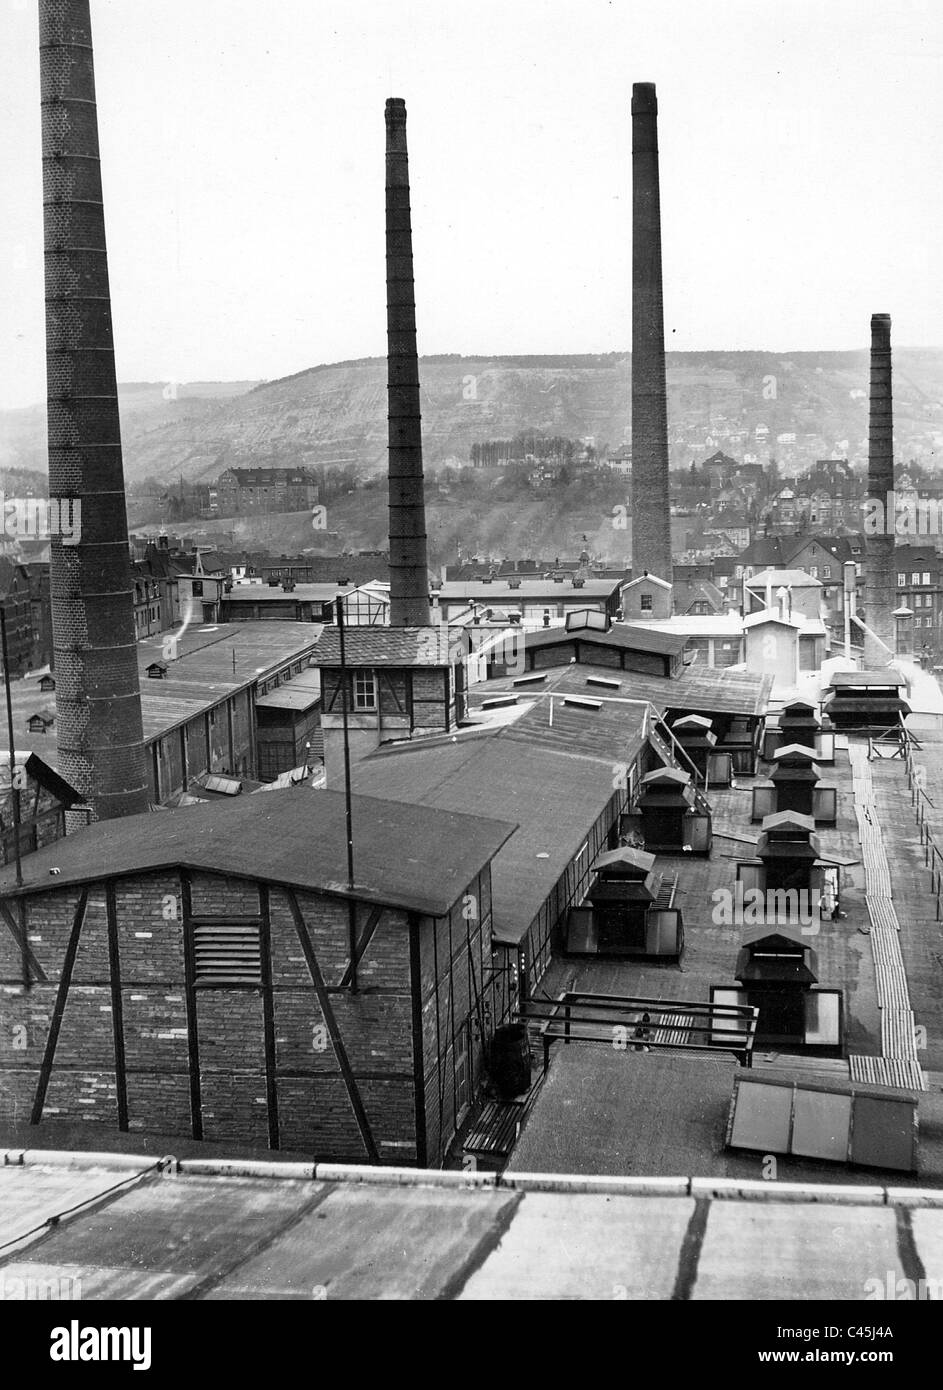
(920, 801)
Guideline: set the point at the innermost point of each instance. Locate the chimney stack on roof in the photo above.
(651, 518)
(880, 589)
(98, 702)
(409, 567)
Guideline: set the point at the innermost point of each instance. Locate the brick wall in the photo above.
(298, 1088)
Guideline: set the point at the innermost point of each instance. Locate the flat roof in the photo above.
(235, 1228)
(271, 593)
(855, 679)
(695, 624)
(417, 859)
(454, 590)
(553, 795)
(698, 689)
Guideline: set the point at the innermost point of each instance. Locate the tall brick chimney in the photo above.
(98, 702)
(880, 590)
(651, 520)
(409, 566)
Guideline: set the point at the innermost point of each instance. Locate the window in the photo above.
(365, 690)
(826, 571)
(901, 578)
(926, 577)
(814, 569)
(915, 577)
(646, 603)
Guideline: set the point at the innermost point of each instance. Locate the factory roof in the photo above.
(414, 859)
(203, 670)
(301, 692)
(274, 593)
(236, 1229)
(435, 645)
(516, 585)
(622, 636)
(553, 794)
(698, 689)
(210, 662)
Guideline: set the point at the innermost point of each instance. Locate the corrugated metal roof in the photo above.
(411, 858)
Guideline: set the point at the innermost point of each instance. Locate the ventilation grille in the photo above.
(227, 953)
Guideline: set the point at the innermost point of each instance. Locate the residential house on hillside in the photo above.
(240, 490)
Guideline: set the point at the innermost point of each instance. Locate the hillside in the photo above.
(336, 414)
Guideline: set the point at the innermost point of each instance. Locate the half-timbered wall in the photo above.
(118, 1027)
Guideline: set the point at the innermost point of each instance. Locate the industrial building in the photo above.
(208, 973)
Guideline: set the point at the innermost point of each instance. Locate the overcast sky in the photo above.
(242, 148)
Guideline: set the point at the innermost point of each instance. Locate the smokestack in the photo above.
(409, 567)
(651, 519)
(98, 703)
(880, 590)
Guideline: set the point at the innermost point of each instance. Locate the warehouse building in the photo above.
(208, 973)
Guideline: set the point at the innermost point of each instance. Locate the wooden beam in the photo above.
(387, 675)
(268, 1018)
(317, 979)
(117, 1011)
(366, 936)
(419, 1072)
(32, 970)
(62, 994)
(193, 1037)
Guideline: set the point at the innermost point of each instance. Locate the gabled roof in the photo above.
(435, 645)
(770, 615)
(695, 722)
(797, 707)
(40, 771)
(787, 820)
(663, 776)
(775, 934)
(626, 857)
(553, 795)
(798, 579)
(794, 750)
(622, 636)
(406, 857)
(651, 578)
